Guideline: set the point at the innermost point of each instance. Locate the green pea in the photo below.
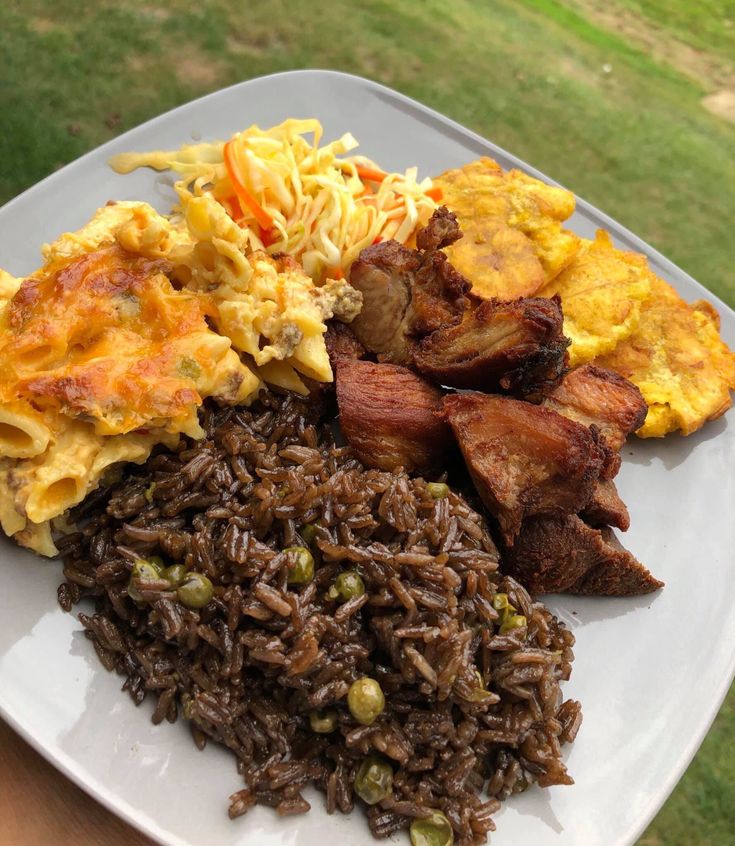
(347, 586)
(513, 621)
(308, 533)
(323, 721)
(365, 700)
(435, 830)
(302, 571)
(196, 591)
(501, 602)
(479, 693)
(502, 605)
(175, 574)
(144, 570)
(374, 780)
(438, 490)
(189, 368)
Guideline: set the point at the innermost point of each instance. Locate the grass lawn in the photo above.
(606, 97)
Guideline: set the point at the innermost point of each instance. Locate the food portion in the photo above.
(340, 616)
(514, 239)
(564, 554)
(416, 312)
(391, 417)
(524, 460)
(603, 291)
(109, 348)
(677, 358)
(330, 625)
(290, 195)
(513, 346)
(617, 312)
(620, 315)
(408, 293)
(598, 397)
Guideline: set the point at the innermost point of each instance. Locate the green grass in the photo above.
(548, 80)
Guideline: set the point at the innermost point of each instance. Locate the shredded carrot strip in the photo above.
(370, 174)
(232, 206)
(268, 236)
(435, 193)
(265, 221)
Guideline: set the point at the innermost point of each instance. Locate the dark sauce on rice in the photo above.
(248, 669)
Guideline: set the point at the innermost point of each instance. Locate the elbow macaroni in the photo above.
(116, 359)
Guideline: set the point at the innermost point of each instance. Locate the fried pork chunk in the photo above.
(595, 395)
(525, 460)
(605, 507)
(342, 345)
(512, 346)
(408, 293)
(391, 417)
(563, 554)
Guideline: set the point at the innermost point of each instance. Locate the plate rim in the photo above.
(93, 786)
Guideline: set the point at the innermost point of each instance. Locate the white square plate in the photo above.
(650, 672)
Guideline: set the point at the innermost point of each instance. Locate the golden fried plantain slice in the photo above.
(513, 238)
(601, 291)
(683, 368)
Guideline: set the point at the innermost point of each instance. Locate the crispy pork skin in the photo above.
(513, 346)
(565, 555)
(391, 417)
(595, 395)
(605, 507)
(341, 344)
(524, 460)
(408, 293)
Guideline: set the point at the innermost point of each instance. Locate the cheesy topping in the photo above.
(112, 345)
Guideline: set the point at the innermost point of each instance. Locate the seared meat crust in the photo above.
(524, 460)
(563, 554)
(341, 344)
(595, 395)
(514, 346)
(605, 507)
(391, 417)
(408, 293)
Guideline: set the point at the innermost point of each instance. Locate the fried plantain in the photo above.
(602, 292)
(683, 368)
(513, 241)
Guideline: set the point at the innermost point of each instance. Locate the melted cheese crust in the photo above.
(111, 347)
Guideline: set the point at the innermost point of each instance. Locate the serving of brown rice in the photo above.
(468, 710)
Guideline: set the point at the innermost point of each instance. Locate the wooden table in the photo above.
(41, 807)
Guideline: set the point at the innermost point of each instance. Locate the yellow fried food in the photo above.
(602, 292)
(683, 368)
(513, 240)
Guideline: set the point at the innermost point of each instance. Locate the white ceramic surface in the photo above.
(651, 672)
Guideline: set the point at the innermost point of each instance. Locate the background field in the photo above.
(631, 104)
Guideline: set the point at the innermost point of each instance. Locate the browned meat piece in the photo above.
(605, 507)
(341, 343)
(384, 274)
(408, 293)
(563, 554)
(517, 346)
(524, 460)
(441, 231)
(390, 416)
(594, 395)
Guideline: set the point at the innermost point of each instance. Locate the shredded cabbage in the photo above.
(292, 196)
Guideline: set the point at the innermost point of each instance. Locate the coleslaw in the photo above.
(293, 196)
